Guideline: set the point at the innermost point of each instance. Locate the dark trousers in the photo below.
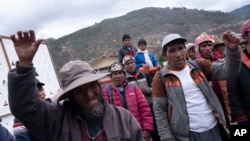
(155, 136)
(210, 135)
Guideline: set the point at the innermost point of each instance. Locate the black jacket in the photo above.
(239, 91)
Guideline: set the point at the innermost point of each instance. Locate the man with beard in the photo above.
(80, 113)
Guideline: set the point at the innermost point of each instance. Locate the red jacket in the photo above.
(135, 101)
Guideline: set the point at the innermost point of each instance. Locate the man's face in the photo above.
(142, 47)
(130, 66)
(87, 95)
(41, 92)
(192, 53)
(126, 42)
(176, 55)
(206, 49)
(243, 45)
(220, 48)
(118, 78)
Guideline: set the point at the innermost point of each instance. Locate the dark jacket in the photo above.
(144, 78)
(58, 122)
(239, 91)
(22, 133)
(125, 51)
(5, 135)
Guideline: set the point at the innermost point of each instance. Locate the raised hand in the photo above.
(26, 46)
(231, 39)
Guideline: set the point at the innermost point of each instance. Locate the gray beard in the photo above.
(94, 113)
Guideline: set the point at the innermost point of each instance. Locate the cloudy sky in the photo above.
(56, 18)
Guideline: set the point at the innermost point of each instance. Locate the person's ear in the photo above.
(164, 55)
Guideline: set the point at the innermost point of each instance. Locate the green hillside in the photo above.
(104, 38)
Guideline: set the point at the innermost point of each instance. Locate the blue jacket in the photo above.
(5, 135)
(140, 59)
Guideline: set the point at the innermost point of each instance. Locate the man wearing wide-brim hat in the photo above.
(83, 114)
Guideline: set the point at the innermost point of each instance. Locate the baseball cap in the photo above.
(171, 38)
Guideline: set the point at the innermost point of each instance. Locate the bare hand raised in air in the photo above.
(26, 46)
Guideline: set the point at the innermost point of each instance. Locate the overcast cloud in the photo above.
(56, 18)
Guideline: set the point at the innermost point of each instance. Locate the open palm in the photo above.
(26, 46)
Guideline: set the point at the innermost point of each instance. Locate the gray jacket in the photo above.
(170, 109)
(57, 122)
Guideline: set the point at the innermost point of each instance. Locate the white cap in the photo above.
(172, 37)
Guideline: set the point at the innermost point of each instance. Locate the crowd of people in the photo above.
(195, 96)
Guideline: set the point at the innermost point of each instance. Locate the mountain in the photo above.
(243, 12)
(153, 24)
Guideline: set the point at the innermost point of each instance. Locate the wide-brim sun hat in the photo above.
(171, 38)
(217, 41)
(74, 74)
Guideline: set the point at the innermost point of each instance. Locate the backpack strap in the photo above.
(133, 86)
(110, 94)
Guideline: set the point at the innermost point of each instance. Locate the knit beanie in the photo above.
(245, 27)
(203, 37)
